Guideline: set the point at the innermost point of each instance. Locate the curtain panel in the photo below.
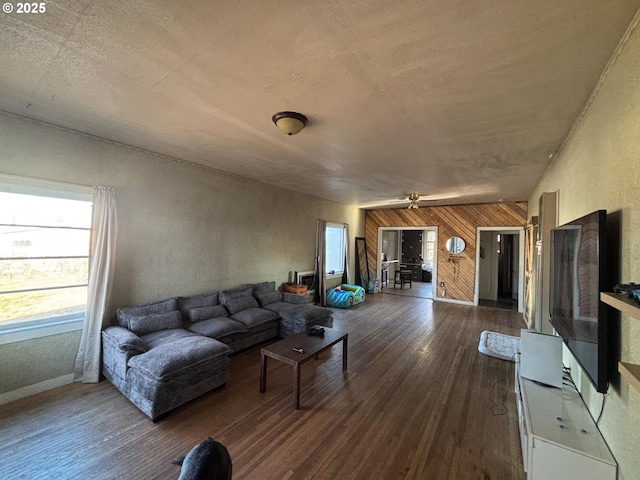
(104, 230)
(345, 273)
(321, 270)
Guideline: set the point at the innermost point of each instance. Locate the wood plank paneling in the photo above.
(457, 271)
(418, 402)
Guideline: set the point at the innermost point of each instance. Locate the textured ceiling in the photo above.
(461, 101)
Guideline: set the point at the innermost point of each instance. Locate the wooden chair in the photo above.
(401, 277)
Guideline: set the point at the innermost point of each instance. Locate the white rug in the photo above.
(499, 345)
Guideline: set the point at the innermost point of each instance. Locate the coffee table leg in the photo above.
(263, 373)
(344, 353)
(296, 385)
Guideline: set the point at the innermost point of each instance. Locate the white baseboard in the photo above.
(451, 300)
(36, 388)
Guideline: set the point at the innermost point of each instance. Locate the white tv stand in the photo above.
(558, 436)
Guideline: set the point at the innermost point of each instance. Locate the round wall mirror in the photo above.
(455, 245)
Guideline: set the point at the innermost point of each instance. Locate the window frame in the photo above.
(15, 331)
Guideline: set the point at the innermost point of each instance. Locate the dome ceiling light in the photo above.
(290, 123)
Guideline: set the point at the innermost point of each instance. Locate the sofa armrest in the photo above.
(293, 298)
(124, 340)
(118, 346)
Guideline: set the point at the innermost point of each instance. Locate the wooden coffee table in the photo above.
(311, 346)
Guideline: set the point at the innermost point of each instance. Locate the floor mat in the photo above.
(499, 345)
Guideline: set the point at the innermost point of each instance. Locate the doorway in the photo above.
(412, 248)
(499, 268)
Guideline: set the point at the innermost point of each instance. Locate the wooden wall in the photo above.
(457, 271)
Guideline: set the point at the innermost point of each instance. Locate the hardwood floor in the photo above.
(418, 402)
(417, 289)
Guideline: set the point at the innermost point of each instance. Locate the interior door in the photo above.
(488, 286)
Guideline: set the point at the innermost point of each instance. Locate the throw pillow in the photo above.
(155, 322)
(163, 306)
(270, 297)
(197, 301)
(264, 287)
(236, 305)
(205, 313)
(237, 293)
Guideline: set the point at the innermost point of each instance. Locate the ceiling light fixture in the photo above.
(290, 123)
(413, 198)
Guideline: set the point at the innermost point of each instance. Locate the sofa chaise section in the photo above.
(157, 364)
(296, 314)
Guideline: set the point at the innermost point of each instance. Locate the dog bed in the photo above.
(499, 345)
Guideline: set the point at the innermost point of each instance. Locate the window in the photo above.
(430, 248)
(44, 253)
(335, 244)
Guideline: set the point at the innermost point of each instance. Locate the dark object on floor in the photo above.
(315, 330)
(209, 460)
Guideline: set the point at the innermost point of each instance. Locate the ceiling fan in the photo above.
(413, 198)
(407, 198)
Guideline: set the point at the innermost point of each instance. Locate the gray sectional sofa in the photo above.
(163, 354)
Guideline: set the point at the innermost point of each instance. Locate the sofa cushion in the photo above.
(264, 287)
(197, 301)
(300, 313)
(154, 339)
(217, 327)
(153, 322)
(269, 297)
(255, 316)
(293, 298)
(178, 357)
(205, 313)
(309, 313)
(163, 306)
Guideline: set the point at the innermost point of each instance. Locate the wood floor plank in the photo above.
(418, 402)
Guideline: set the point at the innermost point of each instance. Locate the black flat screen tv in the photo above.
(578, 275)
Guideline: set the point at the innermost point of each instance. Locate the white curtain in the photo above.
(345, 274)
(321, 271)
(104, 231)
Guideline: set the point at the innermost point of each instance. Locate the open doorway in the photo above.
(412, 249)
(499, 268)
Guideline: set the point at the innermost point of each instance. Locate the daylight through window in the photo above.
(44, 257)
(335, 249)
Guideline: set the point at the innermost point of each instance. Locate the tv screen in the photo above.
(578, 275)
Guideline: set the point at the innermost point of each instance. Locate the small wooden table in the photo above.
(311, 346)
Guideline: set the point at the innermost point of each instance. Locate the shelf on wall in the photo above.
(621, 302)
(626, 305)
(631, 372)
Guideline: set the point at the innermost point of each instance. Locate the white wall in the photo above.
(182, 229)
(600, 169)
